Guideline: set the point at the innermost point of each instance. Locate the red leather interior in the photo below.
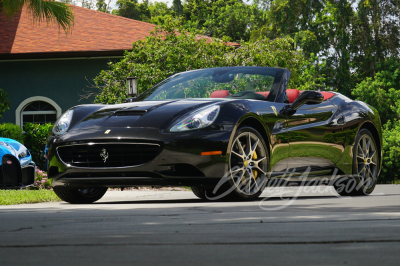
(327, 94)
(292, 94)
(219, 94)
(265, 93)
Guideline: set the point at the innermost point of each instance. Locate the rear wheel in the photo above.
(80, 195)
(365, 167)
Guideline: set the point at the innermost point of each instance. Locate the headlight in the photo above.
(23, 154)
(62, 124)
(200, 119)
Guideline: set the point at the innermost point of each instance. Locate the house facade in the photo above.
(45, 71)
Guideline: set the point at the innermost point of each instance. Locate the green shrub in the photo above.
(382, 92)
(35, 140)
(11, 131)
(4, 102)
(391, 153)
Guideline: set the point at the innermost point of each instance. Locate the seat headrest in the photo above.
(327, 94)
(219, 94)
(292, 94)
(264, 93)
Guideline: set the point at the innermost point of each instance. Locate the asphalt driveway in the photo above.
(174, 227)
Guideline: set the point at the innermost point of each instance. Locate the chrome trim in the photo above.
(100, 168)
(95, 143)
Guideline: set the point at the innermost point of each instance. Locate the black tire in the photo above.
(360, 184)
(233, 189)
(80, 196)
(199, 192)
(206, 192)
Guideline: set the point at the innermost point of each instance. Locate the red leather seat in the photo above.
(327, 94)
(265, 93)
(292, 94)
(219, 94)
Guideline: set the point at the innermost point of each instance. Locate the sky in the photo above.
(168, 2)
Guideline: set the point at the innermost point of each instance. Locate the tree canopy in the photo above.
(166, 52)
(350, 38)
(41, 10)
(346, 41)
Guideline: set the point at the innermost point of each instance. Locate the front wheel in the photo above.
(248, 165)
(80, 195)
(199, 192)
(365, 167)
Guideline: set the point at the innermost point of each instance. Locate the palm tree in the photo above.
(42, 10)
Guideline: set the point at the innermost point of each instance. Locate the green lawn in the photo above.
(13, 197)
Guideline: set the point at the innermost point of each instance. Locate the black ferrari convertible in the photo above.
(226, 131)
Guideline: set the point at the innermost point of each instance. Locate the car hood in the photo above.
(10, 146)
(146, 114)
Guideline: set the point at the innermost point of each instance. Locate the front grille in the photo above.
(28, 174)
(11, 171)
(101, 155)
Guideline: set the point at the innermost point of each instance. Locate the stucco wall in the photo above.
(60, 80)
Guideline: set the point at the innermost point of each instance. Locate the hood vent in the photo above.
(130, 112)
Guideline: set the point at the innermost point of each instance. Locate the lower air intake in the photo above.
(108, 155)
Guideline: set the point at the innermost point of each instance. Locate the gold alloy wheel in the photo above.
(248, 163)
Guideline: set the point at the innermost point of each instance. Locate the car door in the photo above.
(309, 145)
(276, 122)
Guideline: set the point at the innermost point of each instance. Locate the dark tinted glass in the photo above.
(39, 106)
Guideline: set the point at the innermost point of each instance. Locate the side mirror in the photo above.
(307, 97)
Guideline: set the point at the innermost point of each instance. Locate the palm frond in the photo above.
(42, 11)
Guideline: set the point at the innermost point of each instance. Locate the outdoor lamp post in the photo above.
(131, 83)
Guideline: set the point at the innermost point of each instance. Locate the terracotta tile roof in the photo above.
(92, 31)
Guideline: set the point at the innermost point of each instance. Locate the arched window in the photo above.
(38, 110)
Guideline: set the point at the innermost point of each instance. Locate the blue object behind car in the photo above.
(16, 166)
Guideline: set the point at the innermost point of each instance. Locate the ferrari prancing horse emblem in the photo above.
(104, 155)
(275, 111)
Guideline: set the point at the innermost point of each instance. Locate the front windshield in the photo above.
(202, 83)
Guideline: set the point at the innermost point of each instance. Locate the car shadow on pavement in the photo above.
(172, 201)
